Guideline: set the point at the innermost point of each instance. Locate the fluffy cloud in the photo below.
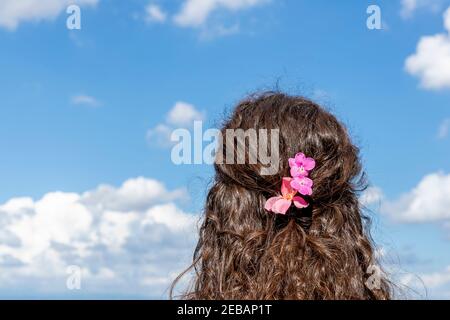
(134, 194)
(431, 62)
(130, 240)
(155, 14)
(195, 13)
(13, 12)
(182, 114)
(429, 201)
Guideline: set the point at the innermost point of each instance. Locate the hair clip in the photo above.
(300, 166)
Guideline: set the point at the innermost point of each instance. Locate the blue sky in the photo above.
(83, 163)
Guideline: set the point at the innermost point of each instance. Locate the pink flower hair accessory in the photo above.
(303, 185)
(300, 166)
(281, 204)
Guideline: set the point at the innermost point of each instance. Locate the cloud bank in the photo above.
(130, 240)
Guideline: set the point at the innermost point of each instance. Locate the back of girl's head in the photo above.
(323, 251)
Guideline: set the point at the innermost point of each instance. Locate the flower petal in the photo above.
(294, 171)
(306, 191)
(299, 158)
(292, 162)
(270, 202)
(281, 206)
(295, 184)
(286, 188)
(298, 172)
(299, 202)
(302, 185)
(309, 163)
(307, 182)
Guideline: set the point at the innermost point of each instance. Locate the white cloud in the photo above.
(14, 12)
(167, 214)
(195, 13)
(134, 194)
(444, 129)
(372, 195)
(431, 62)
(120, 237)
(155, 14)
(85, 100)
(57, 217)
(182, 114)
(429, 201)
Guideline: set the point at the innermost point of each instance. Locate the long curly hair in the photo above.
(322, 252)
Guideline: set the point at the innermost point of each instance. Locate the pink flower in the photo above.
(303, 185)
(281, 204)
(301, 165)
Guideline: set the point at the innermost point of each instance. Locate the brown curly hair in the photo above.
(321, 252)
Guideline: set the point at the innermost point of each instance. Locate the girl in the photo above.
(296, 234)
